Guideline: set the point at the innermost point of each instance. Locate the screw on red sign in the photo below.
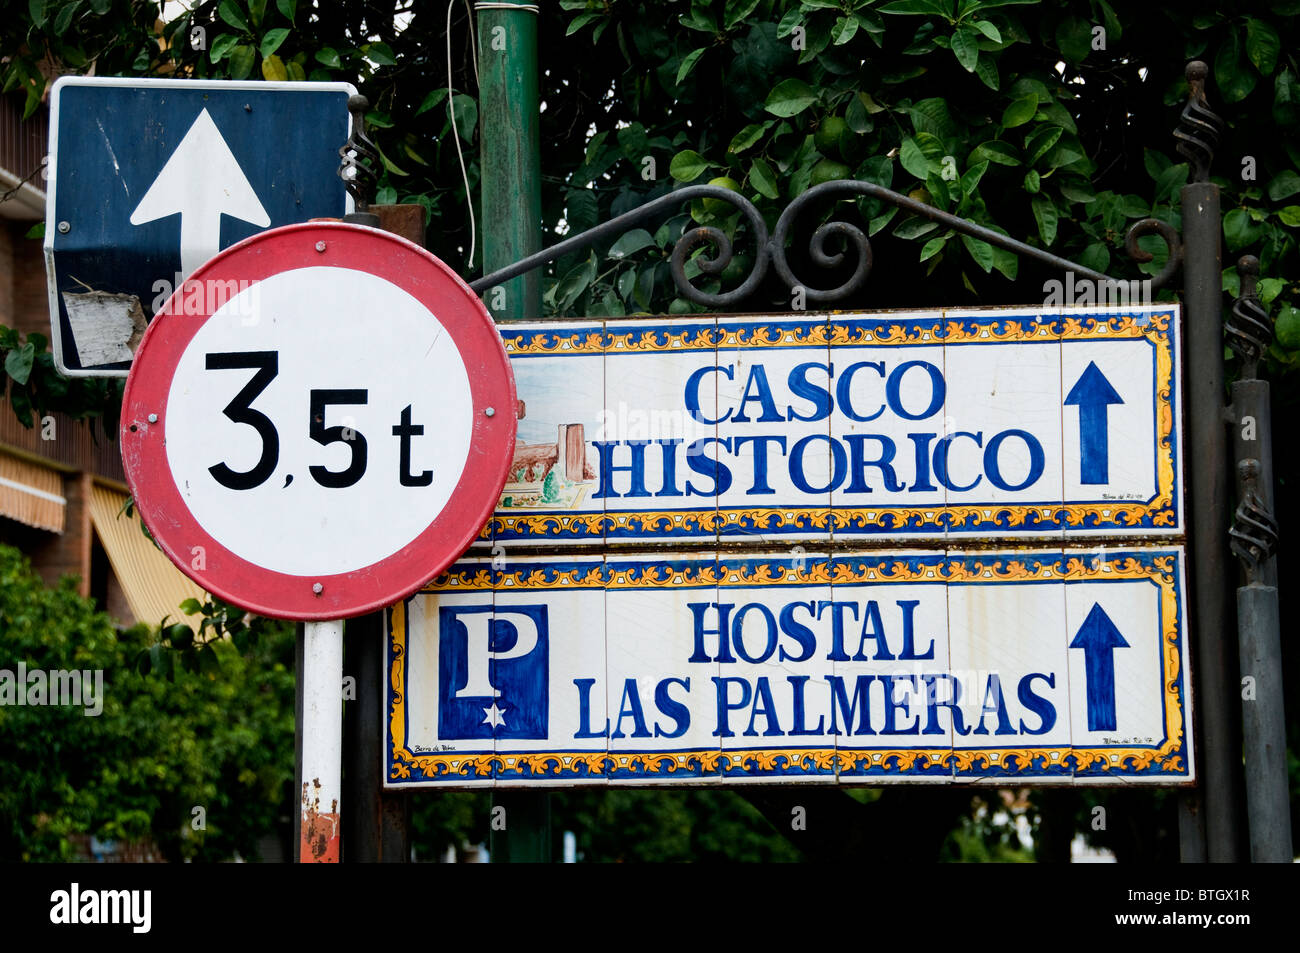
(309, 427)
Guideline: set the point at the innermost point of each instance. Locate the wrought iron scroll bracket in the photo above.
(1249, 328)
(359, 163)
(771, 251)
(1200, 128)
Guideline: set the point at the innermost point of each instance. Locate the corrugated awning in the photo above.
(154, 588)
(31, 494)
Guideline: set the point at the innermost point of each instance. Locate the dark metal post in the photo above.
(1214, 668)
(1254, 541)
(509, 129)
(376, 823)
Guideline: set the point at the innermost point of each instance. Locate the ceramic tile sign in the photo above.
(1030, 665)
(902, 426)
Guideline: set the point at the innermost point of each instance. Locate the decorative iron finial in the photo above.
(359, 164)
(1254, 532)
(1249, 327)
(1200, 127)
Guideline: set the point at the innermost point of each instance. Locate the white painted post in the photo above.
(322, 741)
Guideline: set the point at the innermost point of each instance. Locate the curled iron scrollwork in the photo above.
(1248, 327)
(359, 159)
(1153, 226)
(1200, 128)
(770, 252)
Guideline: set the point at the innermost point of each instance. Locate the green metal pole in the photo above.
(509, 153)
(511, 197)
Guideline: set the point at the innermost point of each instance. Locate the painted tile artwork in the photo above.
(1044, 666)
(888, 426)
(846, 548)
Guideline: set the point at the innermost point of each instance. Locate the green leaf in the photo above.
(856, 117)
(629, 243)
(288, 7)
(464, 108)
(965, 46)
(330, 57)
(582, 20)
(763, 179)
(1133, 206)
(1032, 182)
(1038, 143)
(736, 12)
(1268, 289)
(938, 7)
(789, 98)
(1239, 231)
(1074, 38)
(273, 70)
(1096, 256)
(934, 246)
(844, 30)
(241, 61)
(380, 53)
(1002, 153)
(1006, 263)
(1262, 45)
(271, 42)
(1155, 162)
(1284, 186)
(1286, 99)
(981, 252)
(434, 98)
(1287, 327)
(987, 70)
(1171, 181)
(914, 227)
(1290, 215)
(18, 362)
(1077, 191)
(1020, 112)
(688, 165)
(36, 10)
(64, 19)
(913, 159)
(223, 45)
(688, 63)
(230, 12)
(191, 606)
(1046, 216)
(1234, 80)
(970, 179)
(989, 30)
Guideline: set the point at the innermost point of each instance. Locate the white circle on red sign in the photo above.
(311, 425)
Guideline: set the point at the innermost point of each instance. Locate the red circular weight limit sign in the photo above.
(318, 421)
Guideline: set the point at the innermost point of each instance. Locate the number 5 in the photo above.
(337, 479)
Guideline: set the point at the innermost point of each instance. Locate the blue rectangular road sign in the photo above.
(150, 178)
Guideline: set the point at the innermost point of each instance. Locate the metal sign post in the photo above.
(307, 465)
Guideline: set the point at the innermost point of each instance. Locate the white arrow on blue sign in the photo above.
(151, 178)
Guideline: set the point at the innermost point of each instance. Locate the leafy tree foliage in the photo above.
(219, 741)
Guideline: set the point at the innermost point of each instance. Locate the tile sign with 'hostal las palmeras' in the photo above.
(932, 546)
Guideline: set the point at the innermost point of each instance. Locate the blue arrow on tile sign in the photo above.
(1098, 638)
(1092, 394)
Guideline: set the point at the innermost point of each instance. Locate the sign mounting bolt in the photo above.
(317, 588)
(153, 418)
(65, 227)
(320, 246)
(490, 412)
